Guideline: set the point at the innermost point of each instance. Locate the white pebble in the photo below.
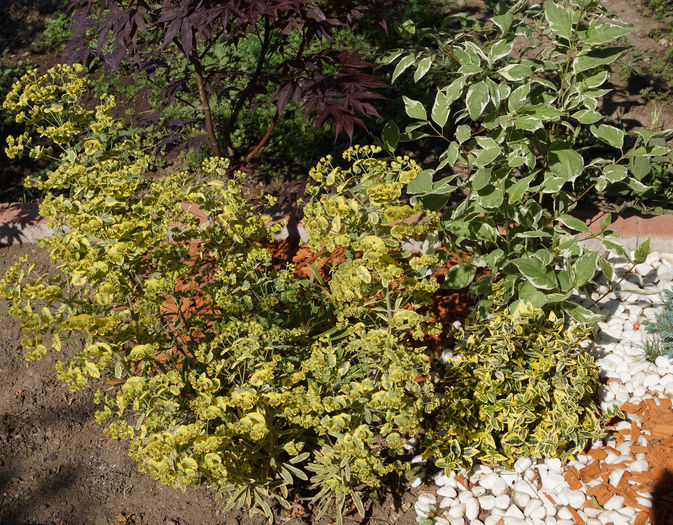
(488, 481)
(457, 511)
(447, 492)
(514, 512)
(564, 514)
(615, 502)
(417, 482)
(552, 481)
(464, 496)
(447, 502)
(471, 509)
(638, 466)
(502, 501)
(499, 487)
(523, 464)
(487, 502)
(520, 499)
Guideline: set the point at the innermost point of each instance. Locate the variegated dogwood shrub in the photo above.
(519, 115)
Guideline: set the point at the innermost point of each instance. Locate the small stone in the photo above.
(615, 502)
(520, 499)
(499, 487)
(441, 479)
(487, 502)
(552, 481)
(491, 520)
(441, 521)
(478, 491)
(502, 501)
(523, 464)
(464, 496)
(651, 380)
(417, 482)
(457, 511)
(564, 514)
(447, 492)
(514, 512)
(615, 476)
(471, 509)
(576, 498)
(638, 466)
(447, 502)
(554, 464)
(662, 361)
(488, 481)
(535, 509)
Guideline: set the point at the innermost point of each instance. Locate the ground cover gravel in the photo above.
(624, 479)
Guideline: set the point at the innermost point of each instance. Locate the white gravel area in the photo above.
(526, 494)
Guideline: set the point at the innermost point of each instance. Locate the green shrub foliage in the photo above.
(221, 367)
(518, 118)
(518, 384)
(216, 365)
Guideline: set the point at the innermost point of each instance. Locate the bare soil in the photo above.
(57, 466)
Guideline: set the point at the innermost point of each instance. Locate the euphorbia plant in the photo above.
(520, 125)
(218, 367)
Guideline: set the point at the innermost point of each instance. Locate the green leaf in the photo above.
(500, 49)
(609, 134)
(503, 22)
(486, 156)
(481, 178)
(529, 293)
(421, 184)
(519, 97)
(536, 273)
(516, 72)
(641, 252)
(564, 163)
(422, 68)
(477, 99)
(463, 132)
(585, 268)
(527, 123)
(490, 197)
(573, 223)
(581, 314)
(606, 268)
(559, 19)
(402, 65)
(454, 91)
(586, 116)
(390, 136)
(615, 172)
(519, 188)
(414, 108)
(616, 248)
(596, 57)
(604, 33)
(440, 109)
(460, 276)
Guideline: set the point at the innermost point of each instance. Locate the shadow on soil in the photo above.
(58, 476)
(662, 500)
(23, 20)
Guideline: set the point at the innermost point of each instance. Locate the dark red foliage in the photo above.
(326, 84)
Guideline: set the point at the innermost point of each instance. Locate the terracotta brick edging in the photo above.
(22, 223)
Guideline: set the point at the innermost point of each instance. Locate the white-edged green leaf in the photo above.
(519, 97)
(460, 276)
(500, 49)
(414, 108)
(527, 123)
(477, 99)
(586, 116)
(604, 33)
(610, 134)
(440, 109)
(422, 68)
(585, 268)
(606, 268)
(530, 294)
(534, 271)
(463, 133)
(455, 89)
(481, 178)
(503, 22)
(564, 162)
(615, 172)
(641, 252)
(490, 197)
(573, 223)
(596, 57)
(581, 314)
(559, 19)
(402, 66)
(421, 184)
(519, 188)
(516, 72)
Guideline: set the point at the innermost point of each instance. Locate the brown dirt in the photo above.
(57, 467)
